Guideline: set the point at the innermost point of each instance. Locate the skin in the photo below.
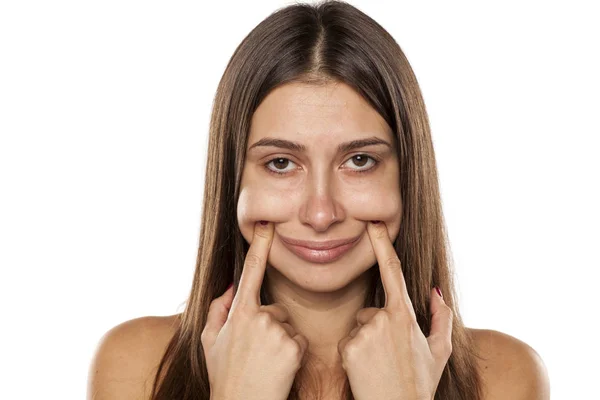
(322, 200)
(387, 355)
(322, 196)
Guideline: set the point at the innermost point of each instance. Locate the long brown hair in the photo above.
(330, 41)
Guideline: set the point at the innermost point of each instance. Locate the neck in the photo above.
(323, 317)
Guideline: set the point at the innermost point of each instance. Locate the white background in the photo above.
(104, 112)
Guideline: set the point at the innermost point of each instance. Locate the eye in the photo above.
(360, 158)
(281, 161)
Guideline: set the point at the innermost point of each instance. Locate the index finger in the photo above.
(248, 291)
(396, 295)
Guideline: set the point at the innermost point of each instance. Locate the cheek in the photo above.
(255, 204)
(379, 203)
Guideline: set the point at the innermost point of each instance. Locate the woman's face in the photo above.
(322, 192)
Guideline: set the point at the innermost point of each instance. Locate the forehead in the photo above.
(316, 114)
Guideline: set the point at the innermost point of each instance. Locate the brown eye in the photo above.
(279, 165)
(362, 160)
(280, 162)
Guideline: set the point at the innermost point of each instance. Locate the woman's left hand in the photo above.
(387, 357)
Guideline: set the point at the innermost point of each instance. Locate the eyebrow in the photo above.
(342, 147)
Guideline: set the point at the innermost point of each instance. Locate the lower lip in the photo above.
(320, 256)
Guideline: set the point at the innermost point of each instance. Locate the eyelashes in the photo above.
(374, 160)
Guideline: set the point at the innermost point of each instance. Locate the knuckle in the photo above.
(366, 332)
(264, 319)
(380, 318)
(265, 309)
(350, 351)
(289, 330)
(392, 262)
(273, 310)
(261, 231)
(293, 349)
(380, 231)
(253, 260)
(281, 309)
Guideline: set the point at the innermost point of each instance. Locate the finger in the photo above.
(396, 295)
(253, 272)
(278, 311)
(218, 312)
(289, 329)
(341, 346)
(364, 315)
(354, 331)
(303, 342)
(440, 336)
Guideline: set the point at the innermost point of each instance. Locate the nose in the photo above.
(321, 207)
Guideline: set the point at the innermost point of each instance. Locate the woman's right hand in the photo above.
(251, 351)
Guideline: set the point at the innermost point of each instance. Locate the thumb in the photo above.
(218, 312)
(440, 336)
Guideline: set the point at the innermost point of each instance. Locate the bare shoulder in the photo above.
(127, 357)
(511, 369)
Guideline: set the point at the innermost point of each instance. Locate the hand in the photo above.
(251, 352)
(387, 356)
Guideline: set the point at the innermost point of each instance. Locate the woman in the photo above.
(318, 130)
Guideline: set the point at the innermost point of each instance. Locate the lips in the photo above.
(330, 251)
(322, 245)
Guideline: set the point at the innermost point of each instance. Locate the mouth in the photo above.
(320, 252)
(319, 245)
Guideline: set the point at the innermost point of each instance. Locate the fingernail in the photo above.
(439, 291)
(263, 222)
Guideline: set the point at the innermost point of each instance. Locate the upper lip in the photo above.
(319, 245)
